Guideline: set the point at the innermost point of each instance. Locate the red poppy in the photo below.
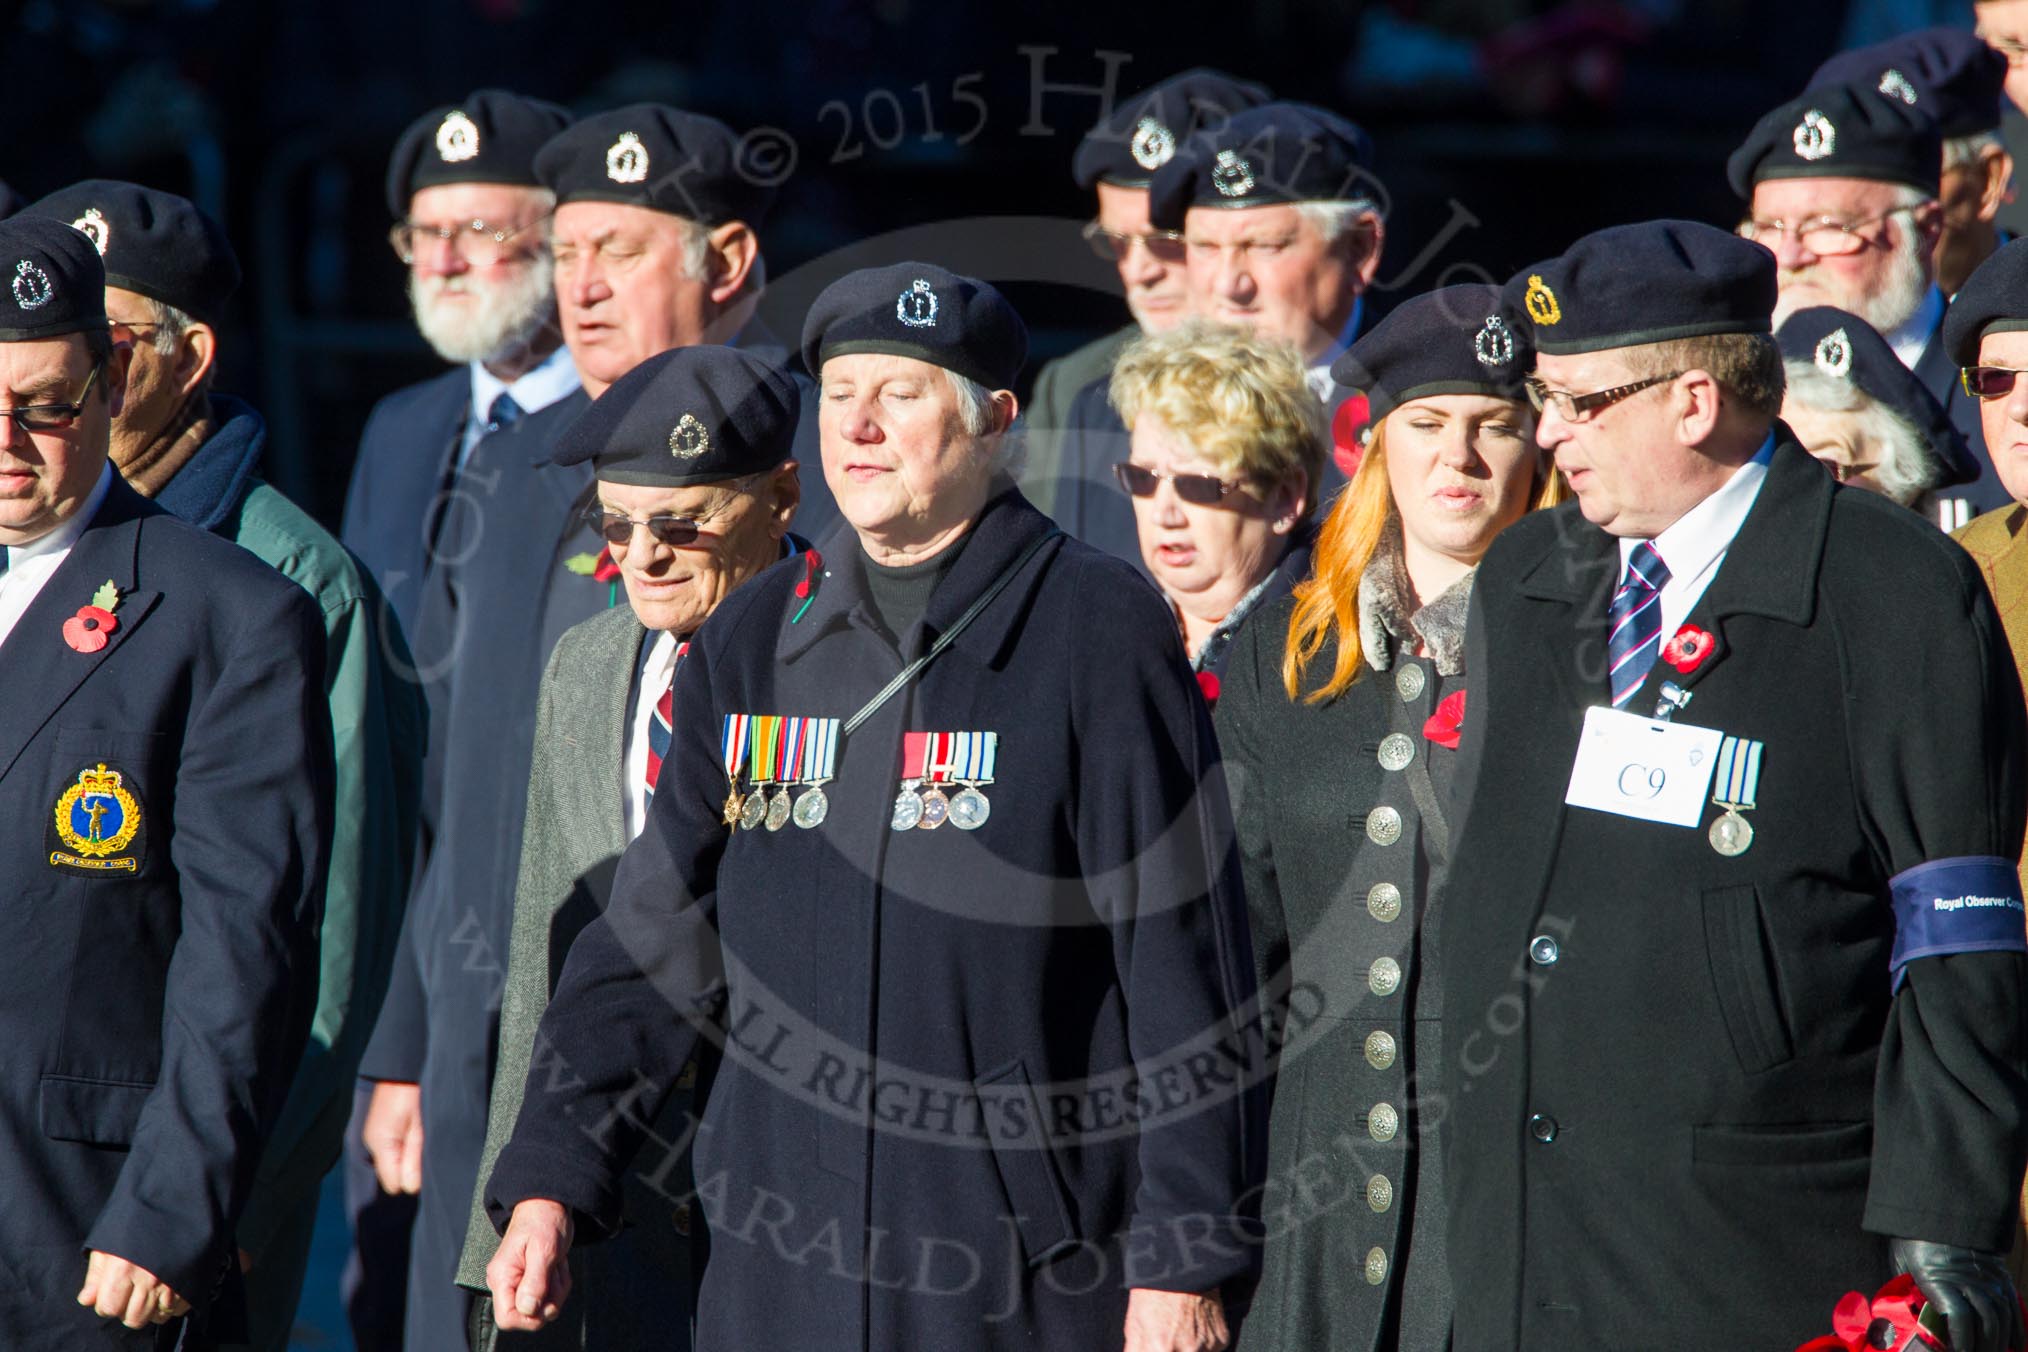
(1348, 431)
(1853, 1321)
(1207, 681)
(90, 629)
(1444, 725)
(1686, 652)
(604, 569)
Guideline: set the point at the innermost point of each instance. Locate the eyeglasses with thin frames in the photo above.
(1823, 236)
(618, 530)
(1164, 246)
(53, 417)
(1579, 407)
(477, 243)
(1989, 382)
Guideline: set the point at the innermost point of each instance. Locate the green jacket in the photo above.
(378, 724)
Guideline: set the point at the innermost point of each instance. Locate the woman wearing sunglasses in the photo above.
(1227, 446)
(1340, 718)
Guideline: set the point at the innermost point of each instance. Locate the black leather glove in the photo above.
(1970, 1288)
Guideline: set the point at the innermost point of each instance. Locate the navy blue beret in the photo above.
(690, 415)
(1845, 347)
(1840, 131)
(1949, 75)
(1646, 283)
(491, 137)
(1994, 299)
(154, 243)
(1451, 341)
(1278, 152)
(1144, 131)
(662, 158)
(918, 310)
(55, 283)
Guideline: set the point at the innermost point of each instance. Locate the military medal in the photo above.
(733, 742)
(788, 770)
(976, 754)
(1737, 779)
(820, 767)
(767, 733)
(908, 804)
(936, 807)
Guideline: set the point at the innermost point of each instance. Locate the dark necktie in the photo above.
(503, 414)
(1636, 618)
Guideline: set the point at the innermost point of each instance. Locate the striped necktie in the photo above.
(661, 721)
(1636, 617)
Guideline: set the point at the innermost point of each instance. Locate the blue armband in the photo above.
(1966, 905)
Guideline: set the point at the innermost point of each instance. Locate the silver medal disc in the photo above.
(969, 810)
(907, 810)
(754, 811)
(1731, 834)
(778, 810)
(811, 808)
(936, 810)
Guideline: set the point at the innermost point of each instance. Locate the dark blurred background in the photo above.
(1505, 128)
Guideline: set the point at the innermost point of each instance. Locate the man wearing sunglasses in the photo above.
(1736, 871)
(1114, 162)
(166, 770)
(1841, 185)
(170, 272)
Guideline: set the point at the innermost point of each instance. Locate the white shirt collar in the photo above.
(1696, 543)
(1911, 338)
(551, 380)
(64, 536)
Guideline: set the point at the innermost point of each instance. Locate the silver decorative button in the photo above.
(1543, 951)
(1379, 1193)
(1380, 1050)
(1384, 901)
(1385, 976)
(1409, 681)
(1396, 751)
(1382, 1122)
(1376, 1266)
(1383, 826)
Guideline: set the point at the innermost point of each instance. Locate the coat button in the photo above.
(1379, 1050)
(1383, 826)
(1542, 1127)
(1376, 1266)
(1409, 681)
(1543, 951)
(681, 1219)
(1379, 1193)
(1384, 901)
(1396, 751)
(1382, 1122)
(1384, 977)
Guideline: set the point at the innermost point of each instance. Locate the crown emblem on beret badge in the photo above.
(1493, 345)
(1815, 136)
(1541, 302)
(457, 137)
(1896, 86)
(1152, 145)
(917, 306)
(689, 439)
(1232, 175)
(32, 288)
(627, 159)
(92, 225)
(1834, 354)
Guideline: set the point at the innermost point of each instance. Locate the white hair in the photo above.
(1332, 220)
(1906, 470)
(976, 414)
(1908, 276)
(170, 325)
(1960, 151)
(509, 314)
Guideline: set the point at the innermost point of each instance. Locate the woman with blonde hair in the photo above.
(1339, 721)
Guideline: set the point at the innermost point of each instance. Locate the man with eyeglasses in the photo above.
(684, 534)
(166, 772)
(1745, 788)
(170, 273)
(1114, 162)
(1841, 185)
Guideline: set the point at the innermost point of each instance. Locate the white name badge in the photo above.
(1641, 767)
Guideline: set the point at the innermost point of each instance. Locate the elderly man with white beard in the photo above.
(1841, 185)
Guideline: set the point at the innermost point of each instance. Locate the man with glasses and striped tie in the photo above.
(684, 533)
(1734, 944)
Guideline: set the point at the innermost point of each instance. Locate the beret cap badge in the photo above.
(1834, 354)
(1493, 345)
(32, 288)
(92, 225)
(917, 306)
(1541, 302)
(689, 439)
(1816, 137)
(1895, 85)
(1232, 176)
(457, 138)
(627, 160)
(1153, 144)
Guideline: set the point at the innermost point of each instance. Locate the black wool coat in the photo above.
(1701, 1103)
(976, 1085)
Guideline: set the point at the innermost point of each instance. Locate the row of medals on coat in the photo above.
(776, 767)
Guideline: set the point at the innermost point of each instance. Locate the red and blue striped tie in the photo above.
(660, 721)
(1636, 617)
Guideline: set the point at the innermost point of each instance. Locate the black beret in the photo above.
(651, 155)
(55, 282)
(1845, 347)
(1840, 131)
(918, 310)
(153, 242)
(1278, 152)
(1645, 283)
(1949, 75)
(1450, 341)
(691, 415)
(1144, 131)
(491, 137)
(1994, 299)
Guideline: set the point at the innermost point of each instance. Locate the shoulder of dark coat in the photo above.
(452, 388)
(1063, 377)
(1521, 546)
(1880, 548)
(1253, 669)
(1116, 604)
(755, 611)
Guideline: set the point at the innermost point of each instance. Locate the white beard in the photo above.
(1887, 309)
(504, 318)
